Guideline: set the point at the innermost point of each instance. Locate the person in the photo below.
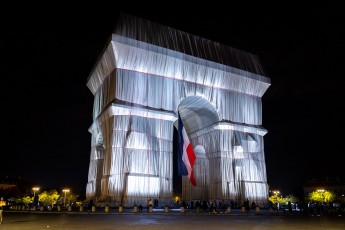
(214, 206)
(222, 206)
(1, 211)
(2, 203)
(290, 207)
(232, 204)
(253, 205)
(149, 204)
(90, 205)
(246, 205)
(191, 205)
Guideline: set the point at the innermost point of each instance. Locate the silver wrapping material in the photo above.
(146, 74)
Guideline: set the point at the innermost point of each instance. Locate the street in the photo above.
(143, 221)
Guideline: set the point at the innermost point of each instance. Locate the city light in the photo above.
(35, 189)
(64, 198)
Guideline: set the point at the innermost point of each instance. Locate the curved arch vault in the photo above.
(146, 74)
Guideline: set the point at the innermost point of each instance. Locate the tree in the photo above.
(292, 198)
(276, 199)
(321, 196)
(49, 198)
(27, 200)
(71, 198)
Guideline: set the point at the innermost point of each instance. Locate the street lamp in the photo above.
(64, 198)
(35, 189)
(276, 192)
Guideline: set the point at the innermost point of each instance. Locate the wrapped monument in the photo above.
(145, 76)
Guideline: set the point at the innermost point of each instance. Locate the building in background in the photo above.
(335, 185)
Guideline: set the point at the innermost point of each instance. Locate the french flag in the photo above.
(186, 153)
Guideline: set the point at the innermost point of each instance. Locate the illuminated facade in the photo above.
(146, 74)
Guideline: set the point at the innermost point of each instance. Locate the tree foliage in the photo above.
(292, 198)
(283, 200)
(71, 198)
(320, 197)
(276, 199)
(27, 200)
(49, 198)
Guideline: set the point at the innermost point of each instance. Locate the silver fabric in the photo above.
(140, 82)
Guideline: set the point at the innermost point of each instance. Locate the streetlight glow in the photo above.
(276, 192)
(64, 198)
(35, 189)
(322, 193)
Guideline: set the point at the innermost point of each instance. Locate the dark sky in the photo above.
(48, 51)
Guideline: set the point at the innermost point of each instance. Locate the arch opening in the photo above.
(197, 113)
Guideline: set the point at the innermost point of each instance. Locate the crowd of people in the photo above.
(216, 206)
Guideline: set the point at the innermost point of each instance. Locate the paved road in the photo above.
(161, 220)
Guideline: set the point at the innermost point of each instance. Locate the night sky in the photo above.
(48, 51)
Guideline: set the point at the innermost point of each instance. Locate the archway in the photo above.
(197, 114)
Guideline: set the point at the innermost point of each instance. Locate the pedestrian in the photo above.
(253, 205)
(246, 205)
(1, 211)
(191, 205)
(149, 204)
(2, 203)
(90, 205)
(290, 207)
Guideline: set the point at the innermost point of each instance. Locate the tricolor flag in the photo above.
(186, 155)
